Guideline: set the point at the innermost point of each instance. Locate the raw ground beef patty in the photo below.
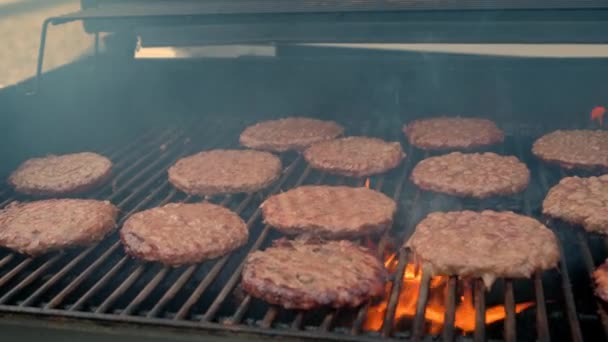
(478, 175)
(354, 156)
(487, 244)
(61, 175)
(304, 274)
(37, 227)
(585, 149)
(452, 132)
(330, 211)
(289, 134)
(581, 201)
(225, 171)
(183, 233)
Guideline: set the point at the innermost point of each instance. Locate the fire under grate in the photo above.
(102, 283)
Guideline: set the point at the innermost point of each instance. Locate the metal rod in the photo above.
(542, 324)
(45, 27)
(423, 296)
(105, 305)
(29, 279)
(181, 281)
(450, 312)
(575, 329)
(146, 291)
(9, 275)
(297, 322)
(7, 258)
(480, 310)
(387, 324)
(510, 333)
(106, 277)
(240, 311)
(270, 316)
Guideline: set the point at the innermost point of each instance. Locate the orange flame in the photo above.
(367, 182)
(597, 113)
(435, 309)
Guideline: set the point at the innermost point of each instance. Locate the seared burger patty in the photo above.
(37, 227)
(225, 171)
(308, 274)
(330, 211)
(581, 201)
(478, 175)
(61, 175)
(354, 156)
(289, 134)
(452, 132)
(183, 233)
(586, 149)
(600, 276)
(485, 244)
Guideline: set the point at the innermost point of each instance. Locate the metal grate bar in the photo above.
(181, 281)
(120, 289)
(575, 328)
(510, 333)
(387, 325)
(146, 291)
(10, 274)
(480, 310)
(542, 324)
(29, 279)
(423, 296)
(269, 317)
(450, 312)
(6, 259)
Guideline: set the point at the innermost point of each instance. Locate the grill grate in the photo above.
(101, 283)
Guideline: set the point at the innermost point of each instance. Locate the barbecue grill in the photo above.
(144, 114)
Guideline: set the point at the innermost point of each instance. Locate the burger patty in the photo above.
(60, 175)
(600, 276)
(225, 171)
(289, 134)
(586, 149)
(485, 244)
(37, 227)
(478, 175)
(452, 132)
(581, 201)
(180, 233)
(330, 211)
(307, 274)
(354, 156)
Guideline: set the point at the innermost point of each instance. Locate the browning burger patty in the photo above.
(37, 227)
(600, 276)
(308, 274)
(587, 149)
(289, 133)
(225, 171)
(60, 175)
(354, 156)
(452, 132)
(485, 244)
(330, 211)
(181, 233)
(582, 201)
(478, 175)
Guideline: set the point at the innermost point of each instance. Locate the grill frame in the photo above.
(131, 178)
